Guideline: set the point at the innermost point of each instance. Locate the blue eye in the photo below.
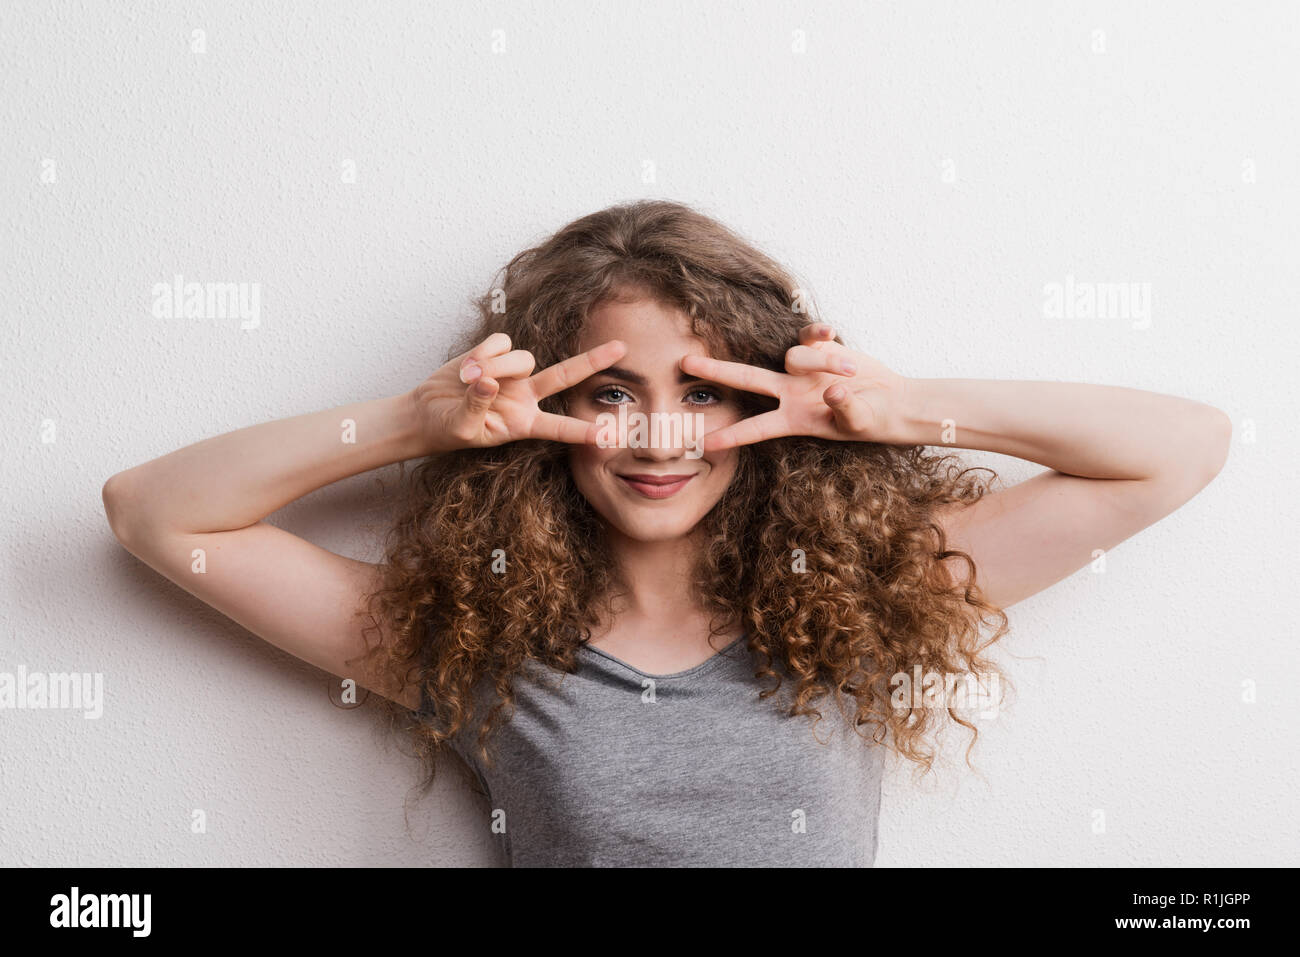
(614, 395)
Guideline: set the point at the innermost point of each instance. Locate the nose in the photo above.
(653, 454)
(665, 434)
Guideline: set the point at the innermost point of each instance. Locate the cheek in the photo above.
(586, 461)
(581, 409)
(722, 468)
(718, 416)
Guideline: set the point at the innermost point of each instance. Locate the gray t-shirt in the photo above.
(609, 766)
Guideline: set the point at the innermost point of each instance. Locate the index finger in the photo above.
(564, 428)
(736, 374)
(573, 370)
(756, 428)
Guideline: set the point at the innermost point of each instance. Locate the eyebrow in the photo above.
(618, 372)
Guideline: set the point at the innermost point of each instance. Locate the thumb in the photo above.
(852, 414)
(473, 411)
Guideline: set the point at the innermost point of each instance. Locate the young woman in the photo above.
(687, 651)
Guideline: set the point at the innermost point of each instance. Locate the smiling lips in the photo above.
(656, 486)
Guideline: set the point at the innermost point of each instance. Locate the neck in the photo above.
(656, 580)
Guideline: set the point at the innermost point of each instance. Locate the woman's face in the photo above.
(647, 478)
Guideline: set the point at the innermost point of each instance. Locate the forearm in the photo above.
(1094, 431)
(233, 480)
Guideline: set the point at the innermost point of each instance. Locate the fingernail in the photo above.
(848, 367)
(470, 371)
(482, 388)
(835, 393)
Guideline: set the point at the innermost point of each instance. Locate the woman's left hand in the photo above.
(828, 391)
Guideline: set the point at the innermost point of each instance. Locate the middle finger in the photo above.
(571, 371)
(803, 359)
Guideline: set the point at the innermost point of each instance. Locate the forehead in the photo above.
(650, 328)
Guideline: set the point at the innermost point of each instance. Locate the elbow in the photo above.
(1206, 437)
(119, 508)
(1218, 441)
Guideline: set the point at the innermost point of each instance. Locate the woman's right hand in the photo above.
(488, 396)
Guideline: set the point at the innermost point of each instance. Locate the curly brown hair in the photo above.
(874, 599)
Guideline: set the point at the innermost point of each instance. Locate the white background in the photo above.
(925, 169)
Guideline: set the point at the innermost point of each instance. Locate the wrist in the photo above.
(915, 421)
(408, 438)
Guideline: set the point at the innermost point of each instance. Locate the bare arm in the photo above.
(213, 496)
(1119, 460)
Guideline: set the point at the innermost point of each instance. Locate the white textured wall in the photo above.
(926, 168)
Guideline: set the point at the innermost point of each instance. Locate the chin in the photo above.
(654, 528)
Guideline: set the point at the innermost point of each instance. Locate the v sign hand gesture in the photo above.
(488, 396)
(827, 391)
